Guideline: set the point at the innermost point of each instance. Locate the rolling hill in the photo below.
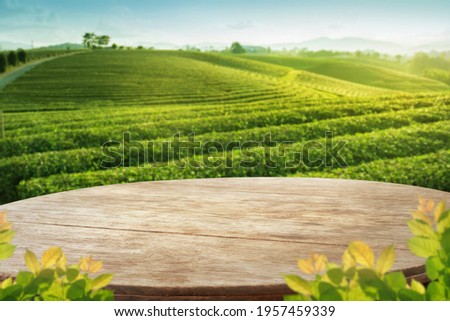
(59, 116)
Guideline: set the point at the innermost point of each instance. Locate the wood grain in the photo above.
(215, 238)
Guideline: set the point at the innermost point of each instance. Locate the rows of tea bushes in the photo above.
(58, 116)
(359, 149)
(27, 166)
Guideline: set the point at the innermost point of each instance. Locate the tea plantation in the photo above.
(394, 127)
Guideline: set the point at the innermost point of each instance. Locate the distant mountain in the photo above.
(65, 46)
(8, 45)
(342, 44)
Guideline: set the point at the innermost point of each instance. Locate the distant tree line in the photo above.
(435, 66)
(12, 59)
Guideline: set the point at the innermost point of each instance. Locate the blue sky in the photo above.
(181, 22)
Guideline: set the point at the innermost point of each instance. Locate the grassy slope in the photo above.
(358, 72)
(221, 98)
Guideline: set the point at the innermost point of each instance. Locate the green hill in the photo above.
(357, 72)
(58, 116)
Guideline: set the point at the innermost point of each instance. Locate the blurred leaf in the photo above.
(4, 224)
(306, 266)
(32, 262)
(88, 264)
(420, 228)
(417, 286)
(296, 297)
(417, 215)
(298, 284)
(347, 260)
(6, 250)
(24, 278)
(440, 208)
(445, 241)
(386, 260)
(6, 236)
(436, 291)
(62, 262)
(357, 294)
(395, 280)
(410, 295)
(6, 283)
(362, 253)
(336, 275)
(77, 290)
(101, 281)
(444, 222)
(320, 262)
(51, 256)
(72, 274)
(328, 292)
(423, 247)
(433, 267)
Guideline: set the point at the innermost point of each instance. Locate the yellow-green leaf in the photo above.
(420, 228)
(362, 253)
(306, 266)
(297, 284)
(386, 260)
(440, 208)
(417, 286)
(423, 247)
(6, 283)
(101, 281)
(51, 256)
(347, 260)
(32, 262)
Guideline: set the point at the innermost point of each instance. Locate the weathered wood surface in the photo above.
(215, 238)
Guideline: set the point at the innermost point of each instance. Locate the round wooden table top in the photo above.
(227, 238)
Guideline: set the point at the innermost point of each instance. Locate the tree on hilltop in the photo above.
(237, 48)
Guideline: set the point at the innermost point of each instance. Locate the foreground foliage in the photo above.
(51, 278)
(360, 277)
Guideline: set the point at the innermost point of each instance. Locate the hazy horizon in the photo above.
(198, 21)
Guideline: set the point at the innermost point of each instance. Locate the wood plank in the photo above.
(215, 238)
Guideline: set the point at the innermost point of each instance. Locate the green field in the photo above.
(57, 116)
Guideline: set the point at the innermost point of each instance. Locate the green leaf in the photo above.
(24, 278)
(298, 284)
(32, 262)
(101, 281)
(423, 247)
(435, 291)
(6, 236)
(386, 260)
(103, 295)
(445, 241)
(434, 267)
(328, 292)
(72, 274)
(12, 293)
(6, 251)
(420, 228)
(336, 275)
(444, 221)
(77, 290)
(417, 286)
(395, 280)
(362, 253)
(296, 297)
(357, 294)
(410, 295)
